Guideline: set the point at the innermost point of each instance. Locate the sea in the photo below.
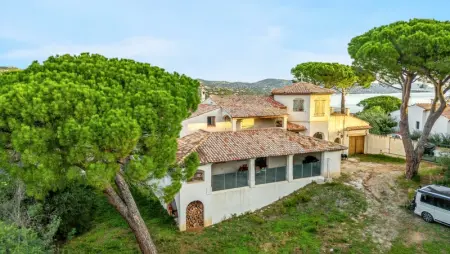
(353, 99)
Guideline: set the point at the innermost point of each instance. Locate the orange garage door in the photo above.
(356, 145)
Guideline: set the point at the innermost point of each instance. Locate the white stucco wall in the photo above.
(276, 161)
(194, 124)
(288, 101)
(317, 126)
(442, 125)
(331, 164)
(379, 144)
(219, 205)
(227, 167)
(418, 114)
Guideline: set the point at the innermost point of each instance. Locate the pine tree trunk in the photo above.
(124, 203)
(414, 155)
(343, 93)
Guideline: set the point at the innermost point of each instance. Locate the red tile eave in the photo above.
(269, 116)
(275, 93)
(271, 155)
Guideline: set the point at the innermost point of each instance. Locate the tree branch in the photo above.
(115, 200)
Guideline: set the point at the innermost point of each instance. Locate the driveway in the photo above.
(387, 200)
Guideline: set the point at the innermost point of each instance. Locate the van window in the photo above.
(442, 203)
(427, 199)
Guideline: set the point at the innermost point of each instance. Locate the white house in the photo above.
(254, 150)
(418, 114)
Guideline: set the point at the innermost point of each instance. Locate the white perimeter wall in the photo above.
(378, 144)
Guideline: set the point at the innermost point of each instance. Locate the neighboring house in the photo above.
(254, 150)
(418, 115)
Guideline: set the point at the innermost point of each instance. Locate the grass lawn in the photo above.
(379, 158)
(315, 217)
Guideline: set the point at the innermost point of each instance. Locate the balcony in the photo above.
(263, 170)
(337, 111)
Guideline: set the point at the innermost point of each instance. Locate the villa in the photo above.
(254, 149)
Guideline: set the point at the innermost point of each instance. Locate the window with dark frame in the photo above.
(417, 125)
(211, 121)
(298, 105)
(435, 201)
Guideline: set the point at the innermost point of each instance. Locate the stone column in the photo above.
(234, 124)
(290, 167)
(251, 172)
(285, 119)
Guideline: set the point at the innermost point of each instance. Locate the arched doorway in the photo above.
(194, 215)
(337, 141)
(319, 135)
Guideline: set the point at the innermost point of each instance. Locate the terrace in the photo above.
(264, 170)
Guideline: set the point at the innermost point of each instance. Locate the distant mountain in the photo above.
(265, 86)
(6, 68)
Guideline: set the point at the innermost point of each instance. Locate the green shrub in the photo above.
(62, 213)
(19, 240)
(256, 218)
(75, 206)
(415, 135)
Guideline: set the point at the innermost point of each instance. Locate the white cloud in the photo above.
(142, 47)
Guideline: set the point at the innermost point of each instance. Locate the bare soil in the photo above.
(386, 203)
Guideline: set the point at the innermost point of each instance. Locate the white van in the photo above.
(432, 202)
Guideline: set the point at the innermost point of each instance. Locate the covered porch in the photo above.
(264, 170)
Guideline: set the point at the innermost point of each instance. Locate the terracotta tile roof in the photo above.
(245, 144)
(202, 109)
(355, 128)
(302, 88)
(249, 105)
(295, 127)
(188, 143)
(427, 106)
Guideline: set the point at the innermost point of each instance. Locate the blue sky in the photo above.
(218, 40)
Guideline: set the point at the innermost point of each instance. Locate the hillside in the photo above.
(265, 86)
(7, 68)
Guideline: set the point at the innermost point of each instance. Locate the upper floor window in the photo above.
(299, 105)
(318, 135)
(198, 176)
(211, 121)
(319, 107)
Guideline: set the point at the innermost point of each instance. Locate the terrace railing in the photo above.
(306, 170)
(270, 175)
(230, 180)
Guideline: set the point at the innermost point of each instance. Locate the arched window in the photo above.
(318, 135)
(337, 141)
(299, 105)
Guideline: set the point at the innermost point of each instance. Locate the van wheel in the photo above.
(427, 217)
